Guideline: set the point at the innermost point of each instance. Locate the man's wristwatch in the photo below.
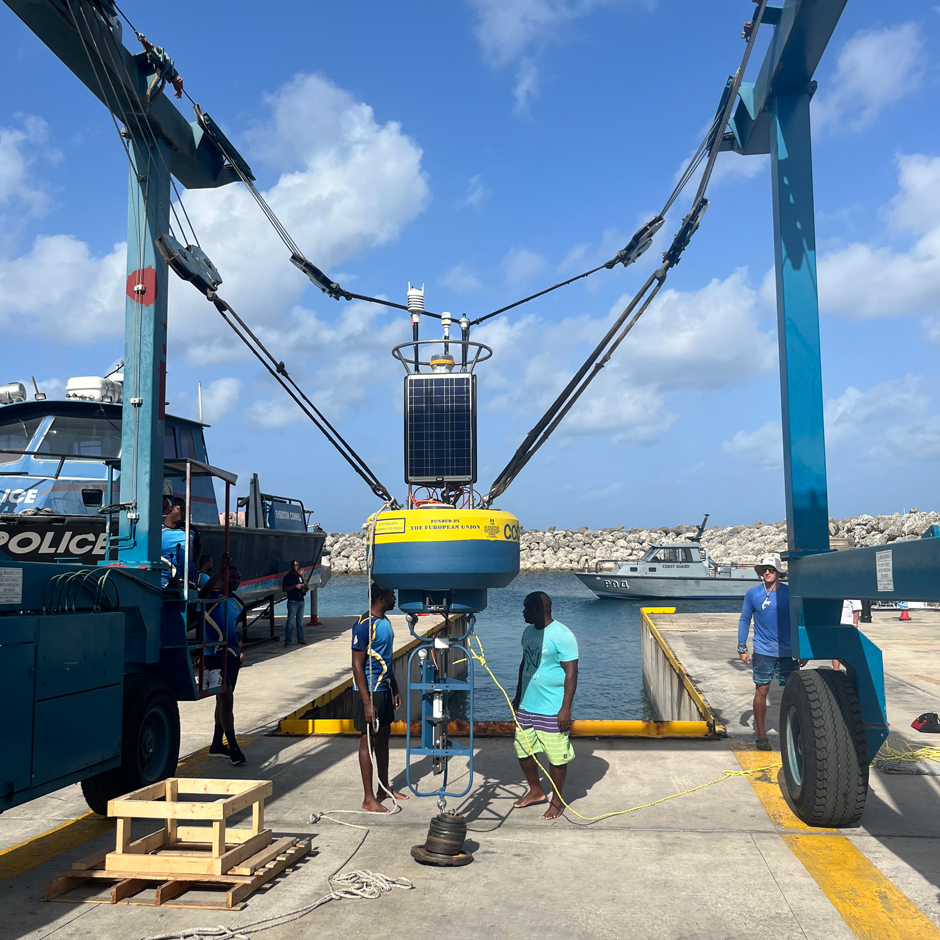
(742, 647)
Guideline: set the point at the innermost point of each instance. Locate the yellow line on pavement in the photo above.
(38, 849)
(872, 905)
(41, 848)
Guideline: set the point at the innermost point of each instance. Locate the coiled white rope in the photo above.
(361, 883)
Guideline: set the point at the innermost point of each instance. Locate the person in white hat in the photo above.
(768, 605)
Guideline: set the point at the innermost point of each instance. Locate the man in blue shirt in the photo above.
(768, 604)
(222, 624)
(548, 680)
(173, 546)
(375, 695)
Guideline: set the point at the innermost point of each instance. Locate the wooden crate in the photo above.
(182, 846)
(191, 891)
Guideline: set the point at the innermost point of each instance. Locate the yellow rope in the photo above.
(726, 775)
(906, 752)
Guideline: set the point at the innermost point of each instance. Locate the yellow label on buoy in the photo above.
(444, 524)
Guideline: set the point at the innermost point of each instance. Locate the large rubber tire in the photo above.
(824, 748)
(150, 745)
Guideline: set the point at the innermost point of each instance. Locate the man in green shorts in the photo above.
(548, 679)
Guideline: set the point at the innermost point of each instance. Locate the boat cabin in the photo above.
(54, 457)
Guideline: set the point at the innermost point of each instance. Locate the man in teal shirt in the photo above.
(548, 680)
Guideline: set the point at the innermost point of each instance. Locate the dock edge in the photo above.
(672, 694)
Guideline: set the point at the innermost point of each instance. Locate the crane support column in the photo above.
(815, 621)
(145, 337)
(804, 447)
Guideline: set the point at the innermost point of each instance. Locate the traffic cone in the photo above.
(904, 614)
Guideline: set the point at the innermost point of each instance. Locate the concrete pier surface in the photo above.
(728, 860)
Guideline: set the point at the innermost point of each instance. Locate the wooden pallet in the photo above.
(91, 882)
(212, 865)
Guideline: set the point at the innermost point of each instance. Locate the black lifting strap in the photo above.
(280, 374)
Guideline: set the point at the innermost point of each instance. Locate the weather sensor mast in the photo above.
(442, 552)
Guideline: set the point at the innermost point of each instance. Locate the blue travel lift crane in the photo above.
(831, 724)
(94, 660)
(102, 663)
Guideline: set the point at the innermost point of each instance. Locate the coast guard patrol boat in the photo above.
(678, 571)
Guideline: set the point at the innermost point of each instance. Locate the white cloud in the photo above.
(856, 414)
(336, 363)
(879, 428)
(347, 185)
(916, 207)
(527, 85)
(917, 441)
(704, 339)
(763, 447)
(220, 398)
(865, 279)
(876, 68)
(518, 30)
(520, 265)
(631, 414)
(19, 149)
(61, 291)
(267, 415)
(507, 28)
(461, 279)
(477, 194)
(698, 340)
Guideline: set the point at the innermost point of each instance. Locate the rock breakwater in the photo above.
(571, 549)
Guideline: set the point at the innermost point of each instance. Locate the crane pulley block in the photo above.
(688, 228)
(190, 263)
(638, 244)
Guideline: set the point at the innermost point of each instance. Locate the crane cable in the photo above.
(297, 258)
(279, 373)
(276, 368)
(602, 353)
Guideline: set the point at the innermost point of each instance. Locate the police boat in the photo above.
(59, 467)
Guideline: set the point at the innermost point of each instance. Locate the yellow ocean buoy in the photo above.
(438, 548)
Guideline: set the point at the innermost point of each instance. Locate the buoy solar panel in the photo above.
(443, 549)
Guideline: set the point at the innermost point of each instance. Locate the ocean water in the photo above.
(610, 676)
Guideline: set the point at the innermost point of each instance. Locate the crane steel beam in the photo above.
(86, 37)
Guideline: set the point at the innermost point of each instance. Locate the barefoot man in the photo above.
(373, 673)
(548, 679)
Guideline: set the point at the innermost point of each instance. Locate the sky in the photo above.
(487, 149)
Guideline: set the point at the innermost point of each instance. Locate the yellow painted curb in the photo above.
(716, 729)
(873, 906)
(583, 729)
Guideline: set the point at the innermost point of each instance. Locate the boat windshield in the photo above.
(15, 435)
(672, 556)
(82, 437)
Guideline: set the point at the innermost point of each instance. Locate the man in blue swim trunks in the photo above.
(768, 603)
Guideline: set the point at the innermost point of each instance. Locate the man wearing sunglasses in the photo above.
(768, 605)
